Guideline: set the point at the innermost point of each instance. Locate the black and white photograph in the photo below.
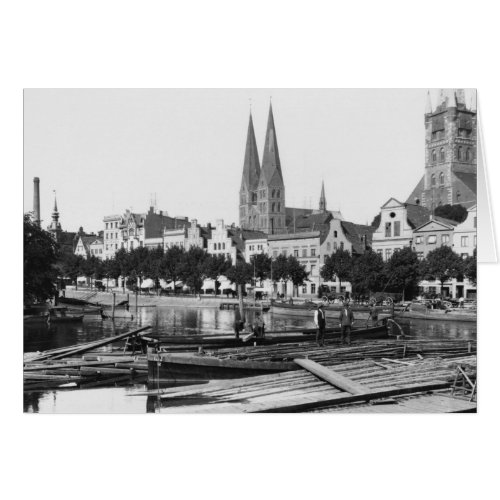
(241, 251)
(258, 249)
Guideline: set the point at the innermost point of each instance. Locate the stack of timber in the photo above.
(260, 360)
(60, 368)
(326, 387)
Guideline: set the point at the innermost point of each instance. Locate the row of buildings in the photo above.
(267, 225)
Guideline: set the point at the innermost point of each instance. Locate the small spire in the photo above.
(55, 202)
(322, 199)
(428, 104)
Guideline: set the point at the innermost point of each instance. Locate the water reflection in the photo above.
(172, 321)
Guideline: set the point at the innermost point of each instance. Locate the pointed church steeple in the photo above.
(55, 225)
(251, 164)
(271, 164)
(322, 198)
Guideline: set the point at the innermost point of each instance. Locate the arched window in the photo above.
(434, 155)
(279, 207)
(433, 179)
(459, 153)
(274, 192)
(441, 154)
(272, 207)
(334, 234)
(441, 178)
(467, 154)
(278, 193)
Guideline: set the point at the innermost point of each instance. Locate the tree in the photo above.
(376, 221)
(40, 257)
(173, 265)
(457, 213)
(194, 269)
(261, 264)
(71, 267)
(215, 266)
(296, 272)
(241, 273)
(403, 272)
(111, 270)
(124, 262)
(155, 265)
(470, 267)
(442, 264)
(367, 273)
(338, 264)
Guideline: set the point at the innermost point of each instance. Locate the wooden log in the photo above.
(333, 378)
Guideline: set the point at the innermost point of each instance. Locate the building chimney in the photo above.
(36, 201)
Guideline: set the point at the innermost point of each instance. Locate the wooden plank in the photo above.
(333, 378)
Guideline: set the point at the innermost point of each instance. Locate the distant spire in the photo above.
(271, 158)
(322, 198)
(55, 211)
(251, 164)
(428, 104)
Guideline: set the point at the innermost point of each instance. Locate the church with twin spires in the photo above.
(262, 193)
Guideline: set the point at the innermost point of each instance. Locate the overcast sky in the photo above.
(104, 151)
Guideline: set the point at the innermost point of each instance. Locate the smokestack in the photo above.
(36, 200)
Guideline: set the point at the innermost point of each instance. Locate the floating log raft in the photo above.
(300, 390)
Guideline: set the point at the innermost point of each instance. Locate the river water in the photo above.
(174, 321)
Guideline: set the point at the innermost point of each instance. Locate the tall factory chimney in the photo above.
(36, 200)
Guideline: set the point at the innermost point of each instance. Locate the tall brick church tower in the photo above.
(450, 153)
(262, 203)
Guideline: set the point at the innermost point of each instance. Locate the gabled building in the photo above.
(88, 245)
(433, 234)
(450, 153)
(397, 223)
(226, 241)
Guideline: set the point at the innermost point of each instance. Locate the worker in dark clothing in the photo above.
(238, 323)
(320, 322)
(346, 319)
(258, 326)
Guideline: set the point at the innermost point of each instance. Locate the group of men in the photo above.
(346, 319)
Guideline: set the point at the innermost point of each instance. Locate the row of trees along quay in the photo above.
(44, 265)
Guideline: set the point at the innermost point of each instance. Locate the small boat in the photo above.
(55, 314)
(306, 310)
(185, 342)
(417, 310)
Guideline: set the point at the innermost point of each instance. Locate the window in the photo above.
(284, 253)
(278, 193)
(467, 155)
(418, 240)
(304, 252)
(441, 178)
(475, 222)
(116, 246)
(459, 153)
(335, 245)
(433, 179)
(434, 156)
(387, 229)
(342, 245)
(441, 154)
(304, 288)
(215, 246)
(458, 194)
(313, 270)
(106, 247)
(313, 252)
(380, 252)
(420, 255)
(464, 255)
(445, 238)
(334, 234)
(274, 192)
(223, 246)
(432, 239)
(279, 207)
(313, 288)
(464, 241)
(397, 228)
(388, 253)
(295, 253)
(272, 207)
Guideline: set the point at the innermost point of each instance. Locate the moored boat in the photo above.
(53, 315)
(421, 311)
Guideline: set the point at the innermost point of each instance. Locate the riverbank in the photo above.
(106, 299)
